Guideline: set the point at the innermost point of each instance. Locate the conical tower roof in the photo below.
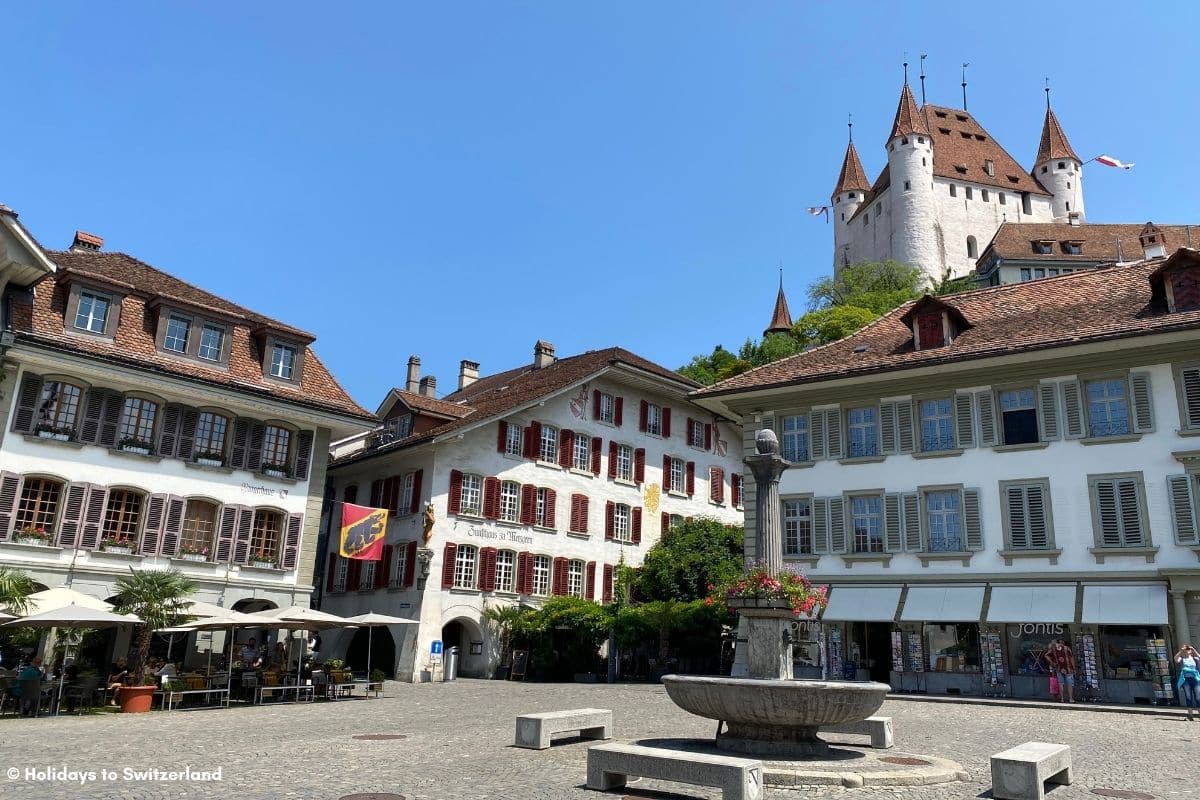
(909, 119)
(852, 177)
(1054, 142)
(781, 320)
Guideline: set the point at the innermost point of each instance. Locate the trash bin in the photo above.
(450, 672)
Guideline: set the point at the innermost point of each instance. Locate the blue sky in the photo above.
(457, 180)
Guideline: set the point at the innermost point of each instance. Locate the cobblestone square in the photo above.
(459, 745)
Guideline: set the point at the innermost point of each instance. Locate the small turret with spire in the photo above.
(913, 209)
(1058, 168)
(851, 191)
(781, 319)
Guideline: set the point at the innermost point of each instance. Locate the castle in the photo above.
(946, 189)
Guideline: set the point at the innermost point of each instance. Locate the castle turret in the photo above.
(781, 318)
(850, 193)
(915, 225)
(1059, 170)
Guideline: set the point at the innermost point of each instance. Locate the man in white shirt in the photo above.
(250, 655)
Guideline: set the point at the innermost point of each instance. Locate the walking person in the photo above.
(1061, 661)
(1188, 683)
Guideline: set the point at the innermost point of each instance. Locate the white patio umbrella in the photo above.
(199, 608)
(299, 618)
(61, 596)
(6, 616)
(371, 619)
(230, 620)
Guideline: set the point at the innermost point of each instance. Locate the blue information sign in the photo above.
(435, 647)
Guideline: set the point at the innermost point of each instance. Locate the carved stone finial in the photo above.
(766, 442)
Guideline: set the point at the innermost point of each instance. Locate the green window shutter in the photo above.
(820, 510)
(887, 428)
(816, 436)
(1037, 502)
(964, 424)
(1133, 533)
(893, 538)
(1141, 402)
(1047, 409)
(1073, 409)
(972, 519)
(1189, 387)
(837, 525)
(986, 403)
(1107, 515)
(1018, 521)
(912, 522)
(1182, 492)
(905, 433)
(833, 433)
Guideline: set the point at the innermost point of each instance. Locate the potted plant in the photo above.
(333, 668)
(61, 433)
(132, 444)
(172, 687)
(760, 588)
(501, 618)
(262, 559)
(377, 679)
(33, 534)
(210, 458)
(159, 598)
(190, 552)
(274, 470)
(113, 544)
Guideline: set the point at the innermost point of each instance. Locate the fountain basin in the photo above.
(775, 717)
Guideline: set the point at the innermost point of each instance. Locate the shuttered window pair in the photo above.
(1096, 408)
(1026, 514)
(1119, 514)
(941, 519)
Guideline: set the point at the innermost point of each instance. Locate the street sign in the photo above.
(435, 647)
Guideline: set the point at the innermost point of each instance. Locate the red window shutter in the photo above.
(573, 523)
(330, 568)
(384, 568)
(525, 572)
(528, 450)
(612, 459)
(637, 526)
(410, 564)
(454, 500)
(353, 573)
(448, 556)
(528, 504)
(487, 569)
(583, 514)
(589, 586)
(535, 439)
(491, 497)
(551, 510)
(377, 493)
(716, 489)
(707, 436)
(415, 504)
(735, 487)
(639, 465)
(618, 410)
(666, 476)
(566, 447)
(595, 404)
(666, 423)
(608, 583)
(688, 432)
(597, 446)
(691, 478)
(501, 436)
(665, 523)
(643, 415)
(560, 576)
(610, 510)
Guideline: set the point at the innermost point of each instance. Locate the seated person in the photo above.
(250, 656)
(117, 674)
(30, 672)
(279, 657)
(167, 670)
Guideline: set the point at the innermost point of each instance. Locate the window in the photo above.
(464, 566)
(58, 407)
(607, 410)
(866, 218)
(937, 425)
(400, 426)
(543, 513)
(1072, 248)
(1042, 248)
(1188, 381)
(199, 525)
(283, 361)
(952, 648)
(621, 523)
(972, 247)
(653, 419)
(471, 497)
(989, 167)
(1003, 199)
(943, 513)
(953, 190)
(210, 435)
(276, 442)
(1026, 274)
(541, 576)
(38, 507)
(212, 341)
(341, 567)
(575, 578)
(624, 462)
(506, 571)
(548, 447)
(92, 314)
(137, 421)
(1018, 416)
(984, 194)
(1026, 203)
(907, 185)
(1039, 272)
(366, 576)
(716, 485)
(1061, 165)
(1119, 510)
(266, 535)
(1107, 408)
(797, 527)
(176, 338)
(1028, 524)
(1045, 169)
(399, 566)
(866, 518)
(695, 433)
(581, 458)
(970, 193)
(122, 514)
(406, 493)
(674, 521)
(676, 478)
(864, 432)
(1052, 272)
(510, 501)
(795, 437)
(512, 440)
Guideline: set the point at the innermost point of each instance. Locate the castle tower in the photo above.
(914, 224)
(1059, 170)
(781, 319)
(850, 193)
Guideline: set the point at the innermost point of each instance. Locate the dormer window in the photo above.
(283, 361)
(1043, 248)
(1177, 282)
(92, 313)
(180, 332)
(1185, 289)
(1072, 248)
(176, 339)
(930, 331)
(212, 342)
(934, 323)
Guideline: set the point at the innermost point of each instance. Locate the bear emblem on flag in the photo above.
(363, 531)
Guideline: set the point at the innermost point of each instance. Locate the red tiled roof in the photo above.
(1090, 306)
(1015, 240)
(909, 119)
(781, 319)
(962, 148)
(1054, 142)
(431, 405)
(852, 177)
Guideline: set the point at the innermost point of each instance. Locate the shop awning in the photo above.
(862, 604)
(1042, 603)
(1106, 604)
(943, 604)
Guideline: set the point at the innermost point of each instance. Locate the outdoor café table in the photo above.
(171, 700)
(300, 691)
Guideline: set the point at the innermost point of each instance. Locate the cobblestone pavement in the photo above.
(459, 745)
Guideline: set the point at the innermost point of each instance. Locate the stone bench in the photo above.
(534, 730)
(610, 765)
(1019, 773)
(878, 728)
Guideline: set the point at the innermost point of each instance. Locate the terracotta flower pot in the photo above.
(137, 699)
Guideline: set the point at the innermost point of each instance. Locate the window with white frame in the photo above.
(340, 566)
(937, 424)
(283, 361)
(510, 501)
(1108, 407)
(548, 449)
(471, 497)
(366, 578)
(624, 462)
(464, 566)
(608, 407)
(581, 457)
(622, 528)
(399, 566)
(406, 493)
(575, 578)
(943, 515)
(212, 340)
(541, 576)
(696, 433)
(176, 338)
(92, 313)
(797, 527)
(674, 521)
(867, 523)
(539, 515)
(677, 480)
(506, 571)
(512, 440)
(653, 419)
(1018, 416)
(795, 437)
(863, 424)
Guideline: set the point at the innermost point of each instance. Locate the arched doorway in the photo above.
(378, 639)
(466, 635)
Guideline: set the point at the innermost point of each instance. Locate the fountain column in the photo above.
(767, 465)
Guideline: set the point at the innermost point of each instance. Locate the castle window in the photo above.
(1061, 165)
(1068, 206)
(843, 216)
(970, 193)
(972, 247)
(1002, 199)
(904, 140)
(921, 140)
(1045, 170)
(989, 167)
(866, 218)
(907, 186)
(1072, 248)
(944, 130)
(1068, 184)
(985, 194)
(853, 195)
(922, 161)
(1026, 203)
(953, 190)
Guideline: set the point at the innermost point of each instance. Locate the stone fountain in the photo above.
(769, 713)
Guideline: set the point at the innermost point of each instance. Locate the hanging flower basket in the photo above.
(759, 588)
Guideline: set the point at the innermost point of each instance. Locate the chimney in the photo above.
(1152, 242)
(428, 386)
(468, 373)
(543, 354)
(1073, 219)
(414, 373)
(86, 242)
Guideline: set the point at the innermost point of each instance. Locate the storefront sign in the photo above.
(265, 491)
(499, 535)
(1036, 629)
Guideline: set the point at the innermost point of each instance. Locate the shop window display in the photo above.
(952, 648)
(1127, 653)
(1027, 645)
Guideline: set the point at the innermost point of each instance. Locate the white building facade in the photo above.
(979, 474)
(539, 482)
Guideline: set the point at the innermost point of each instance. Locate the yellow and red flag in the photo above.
(363, 531)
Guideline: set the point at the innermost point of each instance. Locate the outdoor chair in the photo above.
(6, 697)
(31, 696)
(83, 694)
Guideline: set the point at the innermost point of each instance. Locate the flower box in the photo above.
(123, 549)
(210, 462)
(58, 437)
(258, 564)
(274, 473)
(36, 540)
(759, 602)
(193, 557)
(132, 448)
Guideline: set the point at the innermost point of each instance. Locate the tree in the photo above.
(827, 325)
(502, 618)
(718, 366)
(689, 558)
(15, 588)
(160, 599)
(877, 286)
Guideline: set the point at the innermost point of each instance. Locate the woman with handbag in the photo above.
(1062, 670)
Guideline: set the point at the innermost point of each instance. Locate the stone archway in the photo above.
(382, 645)
(463, 632)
